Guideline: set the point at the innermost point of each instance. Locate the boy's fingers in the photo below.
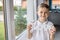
(52, 31)
(29, 27)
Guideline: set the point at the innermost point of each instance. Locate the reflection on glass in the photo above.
(55, 4)
(20, 16)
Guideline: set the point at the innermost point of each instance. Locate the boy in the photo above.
(42, 29)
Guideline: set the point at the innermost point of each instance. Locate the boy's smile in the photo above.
(43, 13)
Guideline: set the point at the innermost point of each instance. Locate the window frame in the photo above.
(50, 4)
(9, 19)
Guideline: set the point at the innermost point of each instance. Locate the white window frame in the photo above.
(9, 20)
(31, 11)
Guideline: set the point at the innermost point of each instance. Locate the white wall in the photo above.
(17, 2)
(40, 1)
(1, 3)
(31, 10)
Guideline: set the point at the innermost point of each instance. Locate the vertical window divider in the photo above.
(9, 20)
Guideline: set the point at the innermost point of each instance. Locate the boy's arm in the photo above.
(29, 34)
(52, 33)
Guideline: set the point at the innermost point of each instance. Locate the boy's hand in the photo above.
(29, 27)
(52, 31)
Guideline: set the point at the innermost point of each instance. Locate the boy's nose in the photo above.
(43, 14)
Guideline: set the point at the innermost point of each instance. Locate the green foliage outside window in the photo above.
(20, 20)
(1, 8)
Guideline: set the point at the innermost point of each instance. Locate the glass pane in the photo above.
(20, 16)
(55, 4)
(1, 21)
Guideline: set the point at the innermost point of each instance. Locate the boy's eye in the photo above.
(46, 12)
(41, 12)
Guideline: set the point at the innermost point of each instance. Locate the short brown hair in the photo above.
(44, 5)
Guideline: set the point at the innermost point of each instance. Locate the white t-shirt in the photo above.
(40, 31)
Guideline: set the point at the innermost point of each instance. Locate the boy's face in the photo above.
(43, 13)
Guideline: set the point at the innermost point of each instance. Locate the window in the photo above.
(20, 16)
(17, 17)
(55, 4)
